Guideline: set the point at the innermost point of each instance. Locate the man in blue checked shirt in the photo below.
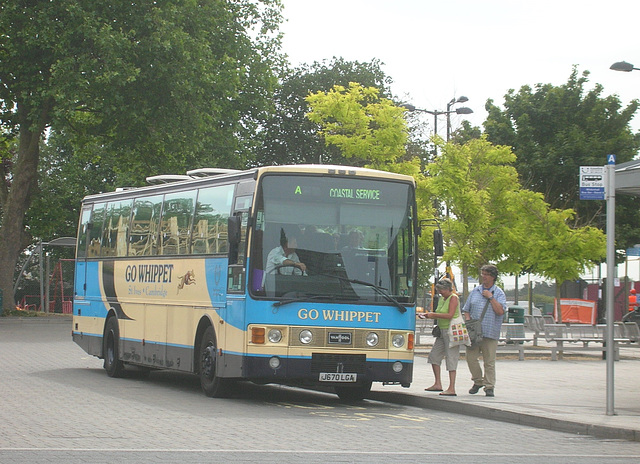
(490, 295)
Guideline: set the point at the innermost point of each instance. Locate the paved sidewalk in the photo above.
(566, 395)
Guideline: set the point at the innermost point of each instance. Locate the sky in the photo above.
(438, 50)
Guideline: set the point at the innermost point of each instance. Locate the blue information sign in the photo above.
(634, 251)
(592, 193)
(592, 184)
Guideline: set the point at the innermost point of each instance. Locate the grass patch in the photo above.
(23, 313)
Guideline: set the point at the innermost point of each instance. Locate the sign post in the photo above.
(611, 266)
(598, 183)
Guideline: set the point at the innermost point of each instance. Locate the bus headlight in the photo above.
(398, 340)
(397, 366)
(372, 339)
(275, 336)
(306, 336)
(274, 362)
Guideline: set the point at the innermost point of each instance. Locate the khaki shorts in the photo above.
(441, 350)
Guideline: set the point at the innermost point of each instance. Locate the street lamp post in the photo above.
(623, 66)
(449, 105)
(447, 113)
(436, 113)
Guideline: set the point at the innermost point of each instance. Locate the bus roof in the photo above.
(335, 170)
(205, 176)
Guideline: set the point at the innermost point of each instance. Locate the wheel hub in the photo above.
(208, 362)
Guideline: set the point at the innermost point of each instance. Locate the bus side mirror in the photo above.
(233, 237)
(438, 244)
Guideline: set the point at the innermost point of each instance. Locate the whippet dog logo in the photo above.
(188, 279)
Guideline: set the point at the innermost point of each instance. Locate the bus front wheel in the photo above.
(212, 385)
(111, 349)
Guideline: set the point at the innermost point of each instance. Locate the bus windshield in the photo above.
(333, 238)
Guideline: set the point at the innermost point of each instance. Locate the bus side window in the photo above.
(143, 238)
(177, 215)
(116, 228)
(210, 224)
(83, 232)
(95, 230)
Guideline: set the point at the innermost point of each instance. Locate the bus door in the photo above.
(80, 287)
(234, 313)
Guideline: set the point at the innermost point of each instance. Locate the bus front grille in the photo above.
(352, 363)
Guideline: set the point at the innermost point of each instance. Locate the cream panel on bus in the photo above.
(161, 301)
(235, 339)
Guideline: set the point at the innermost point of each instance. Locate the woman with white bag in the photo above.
(448, 309)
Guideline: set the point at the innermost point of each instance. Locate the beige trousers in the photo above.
(487, 349)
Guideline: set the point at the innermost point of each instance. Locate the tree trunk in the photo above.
(465, 281)
(557, 305)
(23, 180)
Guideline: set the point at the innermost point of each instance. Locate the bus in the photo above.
(178, 275)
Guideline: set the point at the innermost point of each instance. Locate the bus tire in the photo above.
(111, 349)
(212, 385)
(356, 393)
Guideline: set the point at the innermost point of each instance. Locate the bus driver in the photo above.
(285, 256)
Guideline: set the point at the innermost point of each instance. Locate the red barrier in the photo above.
(576, 310)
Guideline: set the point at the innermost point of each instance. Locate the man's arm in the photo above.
(498, 301)
(466, 309)
(296, 264)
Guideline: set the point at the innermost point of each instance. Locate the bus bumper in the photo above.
(310, 371)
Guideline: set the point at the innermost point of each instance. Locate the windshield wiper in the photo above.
(380, 290)
(305, 298)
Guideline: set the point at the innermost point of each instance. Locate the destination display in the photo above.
(335, 189)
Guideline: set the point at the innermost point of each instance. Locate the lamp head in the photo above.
(464, 110)
(622, 66)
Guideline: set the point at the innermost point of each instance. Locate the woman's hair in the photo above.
(445, 284)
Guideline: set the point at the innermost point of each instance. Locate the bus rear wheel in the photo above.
(356, 393)
(212, 385)
(111, 349)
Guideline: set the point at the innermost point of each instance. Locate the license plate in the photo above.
(337, 377)
(340, 338)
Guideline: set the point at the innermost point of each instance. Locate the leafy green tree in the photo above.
(288, 136)
(66, 174)
(161, 85)
(493, 219)
(360, 123)
(556, 129)
(465, 133)
(556, 250)
(370, 130)
(474, 181)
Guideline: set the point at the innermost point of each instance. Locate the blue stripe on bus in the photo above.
(308, 358)
(86, 334)
(152, 342)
